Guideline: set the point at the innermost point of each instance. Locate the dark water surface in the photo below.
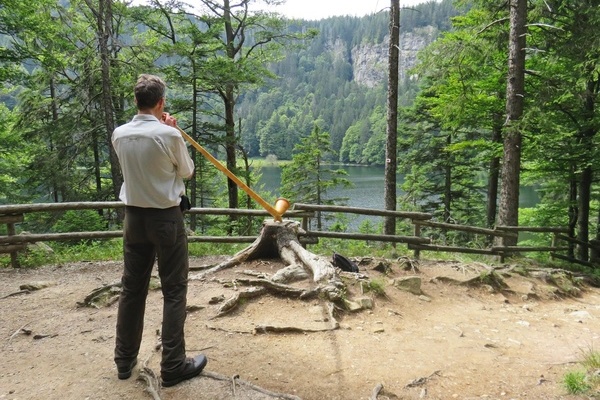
(368, 187)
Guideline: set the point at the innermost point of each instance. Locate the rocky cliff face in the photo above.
(369, 61)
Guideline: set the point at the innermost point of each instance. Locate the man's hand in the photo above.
(167, 119)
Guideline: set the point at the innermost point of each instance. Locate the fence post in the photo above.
(10, 221)
(417, 252)
(305, 228)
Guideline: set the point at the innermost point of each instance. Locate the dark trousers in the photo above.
(151, 234)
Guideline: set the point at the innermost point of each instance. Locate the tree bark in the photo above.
(104, 32)
(572, 210)
(508, 210)
(586, 135)
(229, 102)
(447, 185)
(392, 118)
(494, 174)
(583, 219)
(193, 182)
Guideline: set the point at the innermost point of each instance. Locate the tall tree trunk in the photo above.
(104, 32)
(193, 184)
(229, 100)
(392, 118)
(318, 187)
(583, 218)
(585, 181)
(57, 187)
(447, 184)
(493, 176)
(508, 211)
(595, 254)
(573, 210)
(230, 140)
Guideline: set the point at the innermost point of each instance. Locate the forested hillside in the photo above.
(339, 79)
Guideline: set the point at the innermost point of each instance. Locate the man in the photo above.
(154, 161)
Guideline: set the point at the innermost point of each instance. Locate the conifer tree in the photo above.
(306, 179)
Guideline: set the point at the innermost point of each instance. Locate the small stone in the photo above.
(581, 314)
(352, 306)
(216, 299)
(365, 302)
(411, 284)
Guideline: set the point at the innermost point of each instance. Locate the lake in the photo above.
(368, 189)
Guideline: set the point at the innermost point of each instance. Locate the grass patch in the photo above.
(575, 382)
(375, 286)
(62, 253)
(591, 360)
(585, 381)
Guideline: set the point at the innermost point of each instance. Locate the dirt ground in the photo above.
(451, 342)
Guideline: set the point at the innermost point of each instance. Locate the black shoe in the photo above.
(125, 372)
(191, 368)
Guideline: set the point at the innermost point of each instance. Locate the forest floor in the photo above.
(452, 341)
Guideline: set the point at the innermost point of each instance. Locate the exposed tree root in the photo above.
(260, 287)
(280, 239)
(277, 288)
(409, 263)
(263, 329)
(421, 381)
(16, 293)
(20, 330)
(102, 296)
(152, 382)
(290, 329)
(486, 278)
(231, 303)
(236, 381)
(218, 328)
(376, 390)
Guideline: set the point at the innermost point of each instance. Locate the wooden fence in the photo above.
(12, 243)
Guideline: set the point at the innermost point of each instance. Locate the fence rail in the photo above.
(13, 243)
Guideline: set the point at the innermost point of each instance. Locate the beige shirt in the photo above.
(154, 160)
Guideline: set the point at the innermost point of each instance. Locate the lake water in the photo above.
(368, 189)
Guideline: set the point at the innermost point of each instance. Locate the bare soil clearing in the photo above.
(454, 341)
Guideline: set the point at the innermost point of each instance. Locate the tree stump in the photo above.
(280, 240)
